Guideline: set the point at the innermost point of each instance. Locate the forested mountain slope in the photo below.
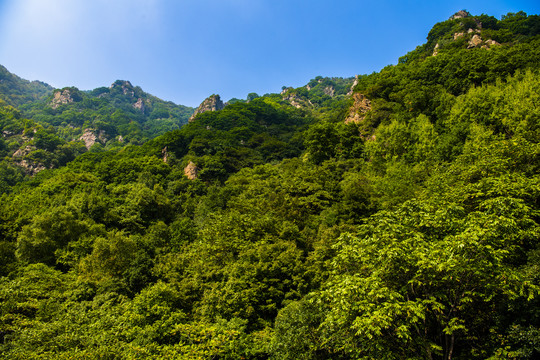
(44, 128)
(16, 91)
(399, 220)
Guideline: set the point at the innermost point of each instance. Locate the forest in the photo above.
(395, 215)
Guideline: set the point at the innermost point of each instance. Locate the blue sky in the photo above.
(186, 50)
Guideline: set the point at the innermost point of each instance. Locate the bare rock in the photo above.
(165, 154)
(460, 15)
(475, 41)
(285, 90)
(61, 97)
(23, 152)
(330, 91)
(436, 50)
(359, 109)
(490, 43)
(191, 170)
(297, 101)
(351, 90)
(139, 105)
(127, 88)
(90, 138)
(31, 168)
(211, 103)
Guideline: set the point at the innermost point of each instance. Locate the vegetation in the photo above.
(410, 233)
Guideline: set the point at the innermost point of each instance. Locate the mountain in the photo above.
(393, 215)
(121, 111)
(45, 128)
(16, 91)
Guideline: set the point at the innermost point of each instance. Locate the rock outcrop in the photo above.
(30, 167)
(489, 43)
(127, 88)
(475, 41)
(472, 35)
(351, 90)
(191, 170)
(61, 97)
(436, 50)
(211, 103)
(90, 138)
(359, 108)
(330, 91)
(460, 15)
(165, 154)
(297, 101)
(139, 105)
(285, 89)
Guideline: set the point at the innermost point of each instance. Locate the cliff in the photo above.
(211, 103)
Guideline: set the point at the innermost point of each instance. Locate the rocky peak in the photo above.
(127, 88)
(285, 89)
(211, 103)
(62, 97)
(460, 15)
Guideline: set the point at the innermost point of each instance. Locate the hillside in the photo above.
(44, 128)
(393, 215)
(16, 91)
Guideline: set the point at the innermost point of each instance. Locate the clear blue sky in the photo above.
(186, 50)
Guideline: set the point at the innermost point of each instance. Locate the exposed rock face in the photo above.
(23, 152)
(460, 15)
(127, 88)
(211, 103)
(489, 43)
(436, 49)
(475, 41)
(165, 154)
(61, 97)
(297, 101)
(353, 86)
(472, 35)
(285, 90)
(359, 109)
(330, 91)
(191, 170)
(139, 105)
(90, 138)
(30, 167)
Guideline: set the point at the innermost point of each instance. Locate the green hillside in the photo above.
(16, 91)
(389, 216)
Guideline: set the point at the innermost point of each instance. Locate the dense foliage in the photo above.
(17, 91)
(411, 233)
